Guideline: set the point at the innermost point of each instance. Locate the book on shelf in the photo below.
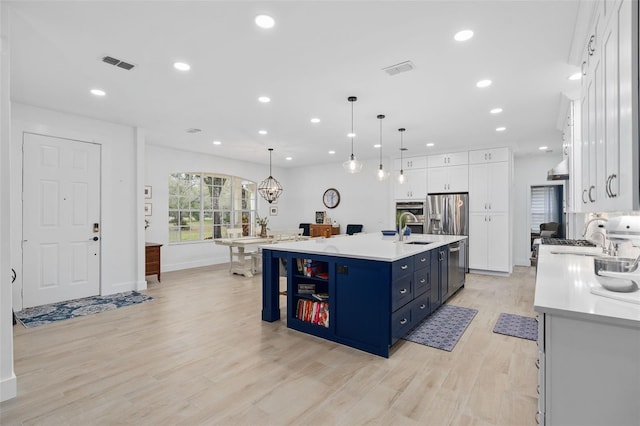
(313, 312)
(321, 296)
(314, 268)
(304, 288)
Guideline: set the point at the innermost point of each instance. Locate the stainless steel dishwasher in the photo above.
(457, 265)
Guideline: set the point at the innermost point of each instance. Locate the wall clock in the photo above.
(331, 198)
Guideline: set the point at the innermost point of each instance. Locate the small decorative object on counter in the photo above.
(262, 222)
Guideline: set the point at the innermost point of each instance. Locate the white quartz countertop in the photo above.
(563, 287)
(373, 246)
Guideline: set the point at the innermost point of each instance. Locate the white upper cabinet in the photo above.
(414, 186)
(453, 159)
(448, 179)
(410, 163)
(489, 155)
(448, 172)
(608, 145)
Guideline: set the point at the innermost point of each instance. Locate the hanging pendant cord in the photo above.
(352, 135)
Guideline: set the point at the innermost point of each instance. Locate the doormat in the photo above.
(46, 314)
(517, 326)
(443, 328)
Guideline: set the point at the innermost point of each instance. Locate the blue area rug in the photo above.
(46, 314)
(517, 326)
(443, 328)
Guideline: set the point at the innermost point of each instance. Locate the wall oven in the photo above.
(417, 208)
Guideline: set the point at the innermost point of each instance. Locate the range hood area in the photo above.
(559, 172)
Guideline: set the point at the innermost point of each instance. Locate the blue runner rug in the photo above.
(443, 328)
(46, 314)
(517, 326)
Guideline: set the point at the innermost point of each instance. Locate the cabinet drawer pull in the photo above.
(538, 363)
(613, 176)
(424, 259)
(591, 47)
(404, 267)
(584, 192)
(423, 281)
(591, 188)
(538, 417)
(403, 291)
(423, 306)
(403, 321)
(607, 186)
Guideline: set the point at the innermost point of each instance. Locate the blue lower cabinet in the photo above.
(365, 304)
(401, 322)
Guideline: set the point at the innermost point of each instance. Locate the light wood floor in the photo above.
(199, 354)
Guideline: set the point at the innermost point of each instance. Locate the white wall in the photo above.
(363, 199)
(529, 171)
(122, 259)
(8, 383)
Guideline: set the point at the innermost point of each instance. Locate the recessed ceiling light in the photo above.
(483, 83)
(543, 148)
(463, 35)
(265, 21)
(98, 92)
(332, 152)
(496, 111)
(576, 76)
(288, 158)
(351, 135)
(262, 132)
(430, 144)
(181, 66)
(217, 143)
(264, 99)
(500, 129)
(315, 120)
(377, 145)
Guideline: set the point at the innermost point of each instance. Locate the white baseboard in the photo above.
(8, 388)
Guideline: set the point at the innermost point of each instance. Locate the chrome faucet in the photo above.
(605, 250)
(401, 228)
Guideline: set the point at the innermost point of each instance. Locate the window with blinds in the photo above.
(546, 205)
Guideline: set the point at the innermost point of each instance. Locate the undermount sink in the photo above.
(419, 242)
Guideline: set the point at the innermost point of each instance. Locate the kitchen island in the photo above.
(365, 291)
(588, 344)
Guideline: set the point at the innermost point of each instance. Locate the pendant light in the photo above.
(352, 165)
(382, 174)
(401, 178)
(270, 189)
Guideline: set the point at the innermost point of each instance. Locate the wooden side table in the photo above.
(152, 259)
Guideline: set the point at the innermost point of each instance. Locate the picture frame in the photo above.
(147, 191)
(147, 209)
(320, 217)
(273, 211)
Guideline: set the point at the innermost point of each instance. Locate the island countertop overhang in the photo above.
(371, 246)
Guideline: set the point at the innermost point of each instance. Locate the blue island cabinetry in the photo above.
(365, 304)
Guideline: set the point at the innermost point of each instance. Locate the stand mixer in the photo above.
(615, 273)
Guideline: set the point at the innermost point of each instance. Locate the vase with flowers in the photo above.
(262, 222)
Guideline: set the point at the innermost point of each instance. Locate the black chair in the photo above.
(305, 229)
(549, 229)
(353, 229)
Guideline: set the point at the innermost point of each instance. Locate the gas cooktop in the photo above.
(566, 242)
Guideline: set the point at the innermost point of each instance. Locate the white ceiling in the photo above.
(317, 55)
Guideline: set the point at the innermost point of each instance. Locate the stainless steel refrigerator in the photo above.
(448, 214)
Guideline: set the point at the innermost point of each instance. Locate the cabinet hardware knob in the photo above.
(403, 291)
(403, 321)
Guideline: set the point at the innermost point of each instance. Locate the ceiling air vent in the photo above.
(117, 62)
(398, 68)
(194, 130)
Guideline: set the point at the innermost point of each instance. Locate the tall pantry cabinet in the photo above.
(489, 210)
(607, 175)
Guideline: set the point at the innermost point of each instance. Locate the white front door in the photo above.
(60, 219)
